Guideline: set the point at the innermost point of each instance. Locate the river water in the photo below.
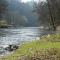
(18, 35)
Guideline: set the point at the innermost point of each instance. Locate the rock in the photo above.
(58, 29)
(11, 47)
(48, 36)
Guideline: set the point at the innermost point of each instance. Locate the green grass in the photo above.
(50, 41)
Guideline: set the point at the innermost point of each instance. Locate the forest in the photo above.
(17, 14)
(29, 29)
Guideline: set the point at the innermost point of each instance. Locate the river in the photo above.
(18, 35)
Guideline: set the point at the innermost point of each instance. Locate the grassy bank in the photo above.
(46, 45)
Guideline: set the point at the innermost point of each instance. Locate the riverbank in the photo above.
(38, 48)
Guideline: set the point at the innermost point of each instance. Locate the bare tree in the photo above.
(49, 13)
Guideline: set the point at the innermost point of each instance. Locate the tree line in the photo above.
(9, 15)
(48, 13)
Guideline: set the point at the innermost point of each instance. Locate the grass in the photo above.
(30, 48)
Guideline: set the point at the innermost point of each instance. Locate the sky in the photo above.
(30, 0)
(25, 1)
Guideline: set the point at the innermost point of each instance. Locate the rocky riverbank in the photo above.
(8, 49)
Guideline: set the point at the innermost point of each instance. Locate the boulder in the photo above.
(11, 47)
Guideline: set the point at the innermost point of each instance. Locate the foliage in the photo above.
(15, 19)
(12, 16)
(47, 9)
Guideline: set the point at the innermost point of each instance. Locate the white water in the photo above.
(16, 36)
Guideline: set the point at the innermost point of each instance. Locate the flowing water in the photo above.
(18, 35)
